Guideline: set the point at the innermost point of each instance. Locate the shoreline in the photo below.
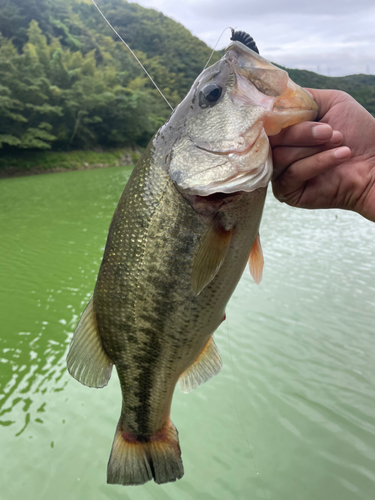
(37, 163)
(13, 172)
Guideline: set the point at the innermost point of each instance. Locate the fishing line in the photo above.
(136, 58)
(235, 399)
(213, 50)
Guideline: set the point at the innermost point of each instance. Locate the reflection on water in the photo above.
(292, 414)
(53, 230)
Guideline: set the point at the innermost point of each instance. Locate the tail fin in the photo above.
(136, 460)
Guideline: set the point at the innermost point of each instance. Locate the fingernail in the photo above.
(342, 153)
(322, 132)
(336, 137)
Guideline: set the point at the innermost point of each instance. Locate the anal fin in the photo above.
(256, 261)
(210, 256)
(87, 361)
(207, 365)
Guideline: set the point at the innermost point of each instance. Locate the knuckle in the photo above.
(293, 134)
(289, 174)
(284, 156)
(277, 192)
(343, 95)
(278, 156)
(340, 96)
(319, 160)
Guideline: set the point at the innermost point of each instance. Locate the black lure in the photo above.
(245, 38)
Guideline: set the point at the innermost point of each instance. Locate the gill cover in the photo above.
(220, 129)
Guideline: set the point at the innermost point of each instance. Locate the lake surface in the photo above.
(290, 417)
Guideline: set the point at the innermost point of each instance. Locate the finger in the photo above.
(294, 177)
(303, 134)
(326, 99)
(336, 139)
(285, 156)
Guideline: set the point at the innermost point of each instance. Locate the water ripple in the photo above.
(291, 415)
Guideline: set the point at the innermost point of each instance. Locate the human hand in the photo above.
(329, 164)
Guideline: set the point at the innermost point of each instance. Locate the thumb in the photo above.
(326, 99)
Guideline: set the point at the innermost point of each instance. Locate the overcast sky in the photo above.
(331, 37)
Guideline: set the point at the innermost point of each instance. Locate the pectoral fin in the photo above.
(207, 365)
(87, 361)
(210, 256)
(256, 261)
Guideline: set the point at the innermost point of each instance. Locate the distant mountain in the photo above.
(66, 81)
(155, 35)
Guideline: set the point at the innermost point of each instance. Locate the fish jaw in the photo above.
(287, 101)
(293, 106)
(262, 84)
(226, 148)
(230, 172)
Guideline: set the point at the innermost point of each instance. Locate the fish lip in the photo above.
(233, 151)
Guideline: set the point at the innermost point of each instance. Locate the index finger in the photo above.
(303, 134)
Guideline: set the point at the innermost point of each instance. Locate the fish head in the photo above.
(218, 135)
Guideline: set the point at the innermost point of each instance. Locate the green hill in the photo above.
(66, 82)
(361, 87)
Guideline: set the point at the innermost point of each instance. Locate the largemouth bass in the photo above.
(182, 233)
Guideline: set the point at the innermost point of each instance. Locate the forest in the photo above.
(67, 82)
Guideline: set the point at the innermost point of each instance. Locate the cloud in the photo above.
(333, 36)
(254, 9)
(223, 9)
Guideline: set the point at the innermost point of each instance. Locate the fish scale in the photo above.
(169, 323)
(154, 288)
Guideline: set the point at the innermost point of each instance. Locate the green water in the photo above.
(290, 417)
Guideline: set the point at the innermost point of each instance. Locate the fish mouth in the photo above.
(236, 165)
(242, 174)
(239, 152)
(239, 147)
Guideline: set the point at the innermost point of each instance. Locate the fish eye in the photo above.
(209, 95)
